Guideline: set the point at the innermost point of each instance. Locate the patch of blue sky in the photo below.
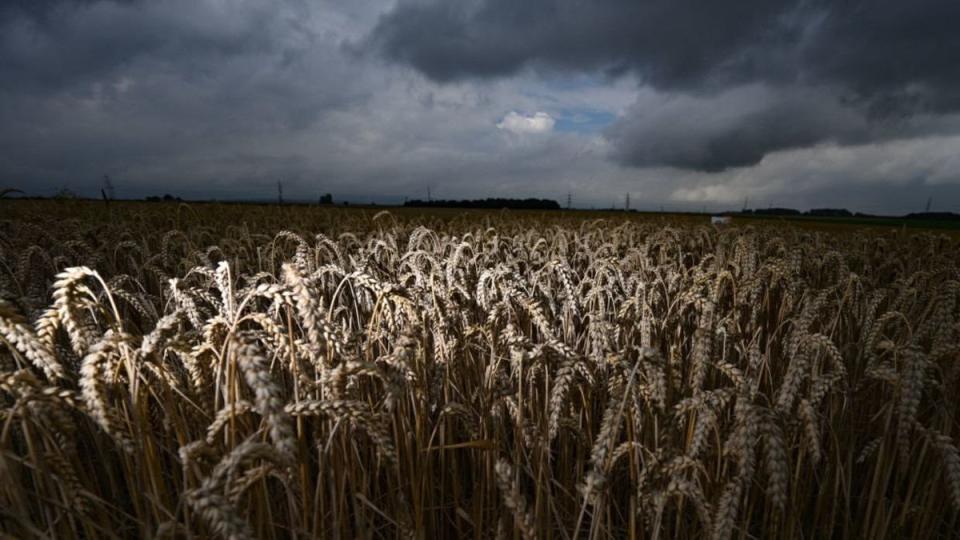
(584, 104)
(583, 120)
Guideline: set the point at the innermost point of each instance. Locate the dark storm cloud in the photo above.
(880, 46)
(738, 127)
(670, 43)
(902, 56)
(39, 9)
(839, 72)
(735, 128)
(52, 45)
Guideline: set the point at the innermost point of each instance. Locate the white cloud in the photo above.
(515, 122)
(893, 176)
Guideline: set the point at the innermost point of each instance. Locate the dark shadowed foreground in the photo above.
(170, 370)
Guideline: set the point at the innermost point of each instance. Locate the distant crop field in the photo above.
(251, 371)
(947, 226)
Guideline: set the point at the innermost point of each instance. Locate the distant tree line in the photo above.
(773, 212)
(819, 212)
(939, 216)
(518, 204)
(166, 197)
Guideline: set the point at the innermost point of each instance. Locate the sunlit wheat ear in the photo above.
(225, 285)
(324, 243)
(94, 371)
(318, 332)
(71, 299)
(302, 257)
(268, 397)
(46, 326)
(185, 303)
(15, 330)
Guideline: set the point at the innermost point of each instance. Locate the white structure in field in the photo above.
(720, 220)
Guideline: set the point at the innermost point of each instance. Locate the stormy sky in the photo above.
(683, 104)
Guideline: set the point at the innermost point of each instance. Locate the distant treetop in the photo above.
(519, 204)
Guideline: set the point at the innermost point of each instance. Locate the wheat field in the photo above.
(192, 371)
